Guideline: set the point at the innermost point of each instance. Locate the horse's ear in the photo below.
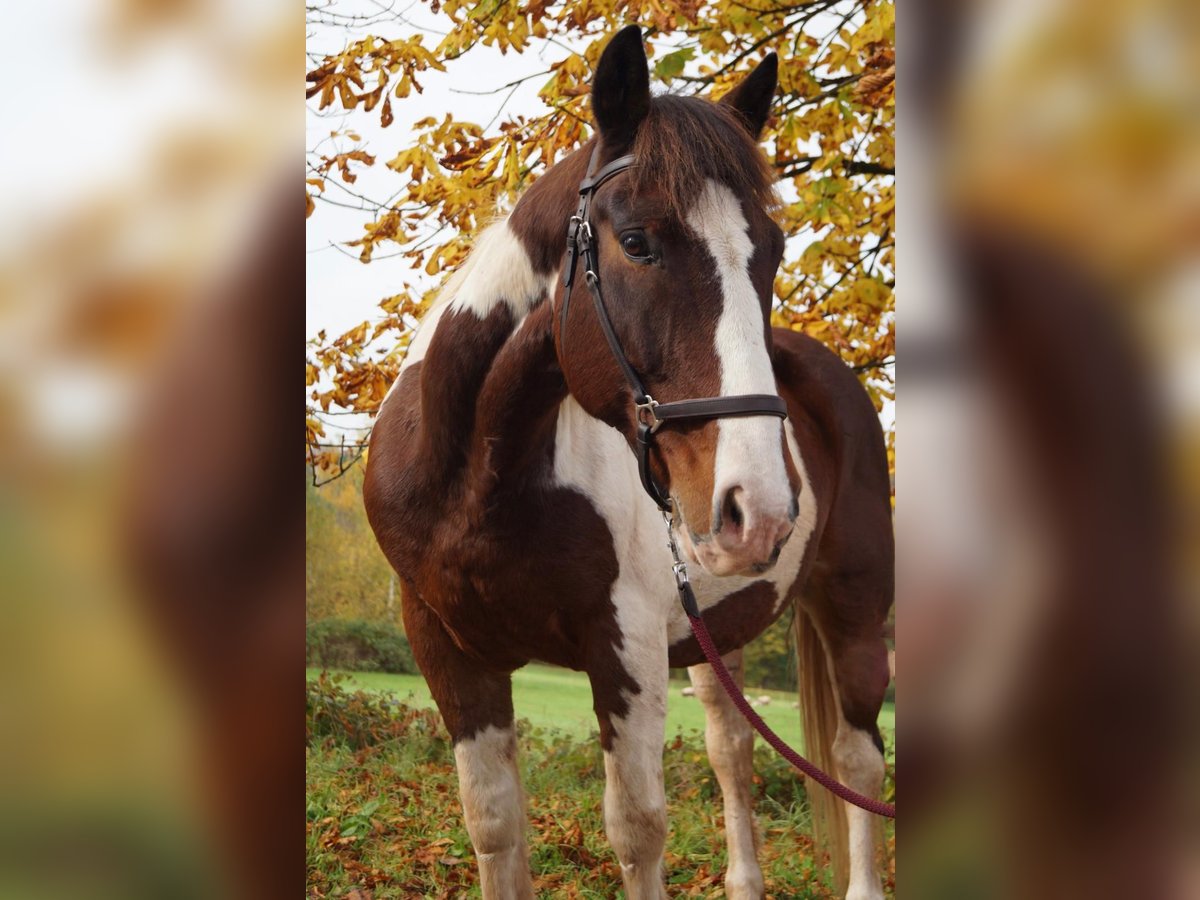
(752, 98)
(621, 88)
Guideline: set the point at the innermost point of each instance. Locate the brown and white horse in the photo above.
(502, 486)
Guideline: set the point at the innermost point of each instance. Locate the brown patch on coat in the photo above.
(490, 549)
(851, 585)
(734, 621)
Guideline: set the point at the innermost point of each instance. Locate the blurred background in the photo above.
(1047, 477)
(1049, 251)
(149, 149)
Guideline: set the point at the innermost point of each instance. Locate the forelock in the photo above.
(685, 141)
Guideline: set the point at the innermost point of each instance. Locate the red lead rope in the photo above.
(700, 630)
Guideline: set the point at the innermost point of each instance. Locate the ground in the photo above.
(382, 807)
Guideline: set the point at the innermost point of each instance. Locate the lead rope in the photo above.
(688, 598)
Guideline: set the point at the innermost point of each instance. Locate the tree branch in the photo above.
(862, 167)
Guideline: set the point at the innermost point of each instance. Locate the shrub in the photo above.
(358, 646)
(355, 719)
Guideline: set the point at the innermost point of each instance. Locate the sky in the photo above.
(341, 290)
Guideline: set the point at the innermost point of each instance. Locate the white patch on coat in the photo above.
(494, 809)
(747, 448)
(729, 740)
(860, 766)
(592, 458)
(497, 270)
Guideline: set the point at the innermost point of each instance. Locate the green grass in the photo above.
(383, 813)
(550, 697)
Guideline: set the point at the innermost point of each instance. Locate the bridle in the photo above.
(650, 414)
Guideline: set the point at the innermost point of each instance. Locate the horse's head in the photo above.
(687, 255)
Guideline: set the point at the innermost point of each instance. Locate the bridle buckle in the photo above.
(647, 413)
(579, 230)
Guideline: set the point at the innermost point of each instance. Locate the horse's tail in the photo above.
(819, 714)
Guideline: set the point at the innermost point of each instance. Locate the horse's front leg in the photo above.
(476, 704)
(629, 687)
(730, 742)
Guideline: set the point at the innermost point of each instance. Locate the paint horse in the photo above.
(503, 486)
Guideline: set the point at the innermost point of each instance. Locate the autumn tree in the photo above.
(830, 138)
(346, 574)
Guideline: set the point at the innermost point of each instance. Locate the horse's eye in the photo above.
(635, 246)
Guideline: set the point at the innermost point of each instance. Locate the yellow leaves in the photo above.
(512, 168)
(671, 66)
(343, 160)
(813, 260)
(878, 26)
(518, 35)
(313, 430)
(448, 256)
(416, 160)
(389, 226)
(339, 74)
(504, 34)
(836, 105)
(484, 9)
(713, 42)
(572, 78)
(871, 292)
(353, 339)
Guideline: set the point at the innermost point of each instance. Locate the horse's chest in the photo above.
(527, 581)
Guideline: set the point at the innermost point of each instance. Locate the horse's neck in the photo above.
(518, 404)
(507, 279)
(490, 358)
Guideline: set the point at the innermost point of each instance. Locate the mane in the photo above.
(683, 141)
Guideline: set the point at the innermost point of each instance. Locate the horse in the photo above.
(503, 480)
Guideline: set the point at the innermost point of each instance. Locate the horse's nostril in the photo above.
(732, 510)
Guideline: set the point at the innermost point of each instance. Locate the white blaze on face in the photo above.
(749, 451)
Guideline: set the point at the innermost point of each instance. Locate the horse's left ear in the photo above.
(752, 98)
(621, 88)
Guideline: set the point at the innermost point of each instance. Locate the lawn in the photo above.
(383, 817)
(550, 697)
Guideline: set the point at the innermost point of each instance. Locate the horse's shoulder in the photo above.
(797, 358)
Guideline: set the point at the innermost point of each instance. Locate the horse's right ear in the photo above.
(621, 88)
(753, 97)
